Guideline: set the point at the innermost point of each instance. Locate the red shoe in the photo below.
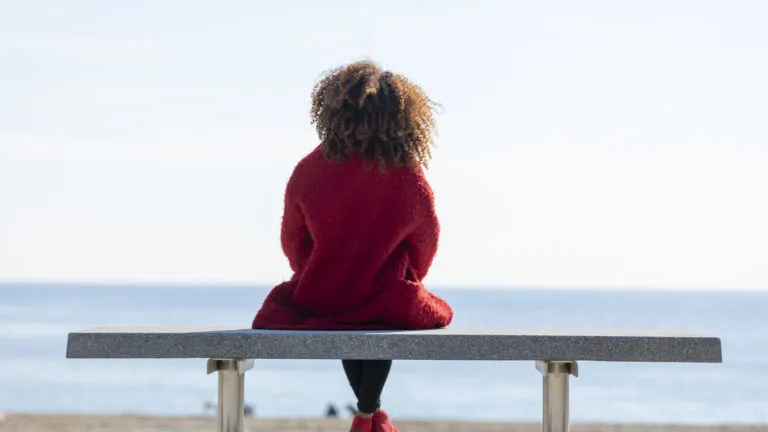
(381, 423)
(361, 424)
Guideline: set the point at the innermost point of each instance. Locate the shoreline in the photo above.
(29, 422)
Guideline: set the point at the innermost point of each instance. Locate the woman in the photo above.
(359, 226)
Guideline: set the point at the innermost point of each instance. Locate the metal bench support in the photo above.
(556, 398)
(231, 392)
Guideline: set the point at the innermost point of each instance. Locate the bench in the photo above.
(230, 353)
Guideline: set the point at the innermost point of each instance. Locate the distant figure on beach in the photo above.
(209, 406)
(359, 226)
(331, 412)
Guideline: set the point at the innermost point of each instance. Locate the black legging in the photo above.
(367, 378)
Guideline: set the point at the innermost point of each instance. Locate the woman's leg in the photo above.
(354, 371)
(374, 376)
(367, 379)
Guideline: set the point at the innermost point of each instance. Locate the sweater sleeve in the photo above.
(294, 233)
(424, 238)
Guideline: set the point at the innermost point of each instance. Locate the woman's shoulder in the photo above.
(315, 168)
(304, 169)
(417, 178)
(310, 161)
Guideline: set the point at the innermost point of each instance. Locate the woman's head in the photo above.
(360, 108)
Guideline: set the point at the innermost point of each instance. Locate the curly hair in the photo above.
(360, 108)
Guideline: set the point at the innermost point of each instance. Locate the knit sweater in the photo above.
(359, 242)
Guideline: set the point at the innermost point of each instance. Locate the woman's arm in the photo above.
(424, 238)
(294, 233)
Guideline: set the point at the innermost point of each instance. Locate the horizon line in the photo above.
(489, 287)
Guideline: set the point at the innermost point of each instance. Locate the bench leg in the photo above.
(556, 376)
(231, 392)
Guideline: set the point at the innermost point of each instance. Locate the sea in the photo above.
(36, 377)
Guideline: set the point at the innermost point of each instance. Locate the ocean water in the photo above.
(35, 376)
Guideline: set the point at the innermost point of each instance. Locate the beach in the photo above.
(126, 423)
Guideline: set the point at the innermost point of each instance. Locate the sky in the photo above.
(581, 144)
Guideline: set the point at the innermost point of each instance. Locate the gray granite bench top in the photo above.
(218, 342)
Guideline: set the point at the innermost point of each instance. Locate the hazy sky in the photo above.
(582, 143)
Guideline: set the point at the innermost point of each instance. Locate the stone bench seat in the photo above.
(230, 352)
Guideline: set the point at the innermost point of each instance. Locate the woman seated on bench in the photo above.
(359, 226)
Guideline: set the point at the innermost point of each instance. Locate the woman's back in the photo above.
(358, 219)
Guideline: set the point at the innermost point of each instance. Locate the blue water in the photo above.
(35, 377)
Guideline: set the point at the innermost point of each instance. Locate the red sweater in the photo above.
(359, 241)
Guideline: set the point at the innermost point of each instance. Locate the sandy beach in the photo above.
(82, 423)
